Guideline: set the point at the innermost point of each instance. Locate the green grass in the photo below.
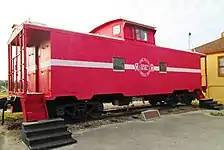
(12, 120)
(12, 116)
(3, 95)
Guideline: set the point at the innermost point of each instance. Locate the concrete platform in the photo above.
(189, 131)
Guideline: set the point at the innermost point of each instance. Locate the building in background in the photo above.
(214, 67)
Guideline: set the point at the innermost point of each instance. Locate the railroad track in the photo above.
(135, 112)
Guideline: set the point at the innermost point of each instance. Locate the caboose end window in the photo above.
(163, 67)
(118, 64)
(116, 29)
(221, 66)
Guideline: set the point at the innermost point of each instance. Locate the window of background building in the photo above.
(118, 64)
(221, 66)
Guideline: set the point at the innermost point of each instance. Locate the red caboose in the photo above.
(53, 72)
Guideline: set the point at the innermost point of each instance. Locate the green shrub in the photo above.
(217, 113)
(195, 102)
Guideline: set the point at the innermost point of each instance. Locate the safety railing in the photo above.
(17, 64)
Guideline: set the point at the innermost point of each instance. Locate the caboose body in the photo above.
(54, 72)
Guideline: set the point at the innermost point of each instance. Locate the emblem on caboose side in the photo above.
(144, 67)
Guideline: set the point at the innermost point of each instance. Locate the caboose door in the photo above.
(33, 70)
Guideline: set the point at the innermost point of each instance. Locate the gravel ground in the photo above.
(120, 119)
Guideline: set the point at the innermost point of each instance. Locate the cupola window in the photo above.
(141, 34)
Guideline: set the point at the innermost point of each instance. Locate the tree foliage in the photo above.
(3, 84)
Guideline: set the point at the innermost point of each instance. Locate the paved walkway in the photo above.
(189, 131)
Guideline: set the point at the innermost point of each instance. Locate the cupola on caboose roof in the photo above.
(128, 30)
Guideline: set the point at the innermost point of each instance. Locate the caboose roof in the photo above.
(122, 20)
(43, 27)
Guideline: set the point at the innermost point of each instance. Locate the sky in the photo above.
(173, 19)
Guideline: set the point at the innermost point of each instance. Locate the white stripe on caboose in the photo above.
(89, 64)
(172, 69)
(86, 64)
(129, 66)
(106, 65)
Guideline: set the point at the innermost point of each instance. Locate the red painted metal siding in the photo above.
(85, 82)
(75, 64)
(128, 33)
(151, 37)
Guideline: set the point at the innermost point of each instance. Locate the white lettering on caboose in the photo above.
(144, 67)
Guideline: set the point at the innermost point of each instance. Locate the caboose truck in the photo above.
(53, 72)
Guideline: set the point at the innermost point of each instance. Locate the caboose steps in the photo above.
(52, 129)
(53, 144)
(47, 137)
(42, 123)
(46, 134)
(210, 104)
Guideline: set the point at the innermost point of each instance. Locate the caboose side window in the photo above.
(144, 35)
(138, 34)
(118, 64)
(163, 67)
(133, 32)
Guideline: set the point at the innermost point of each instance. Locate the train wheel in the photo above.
(187, 99)
(95, 110)
(76, 112)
